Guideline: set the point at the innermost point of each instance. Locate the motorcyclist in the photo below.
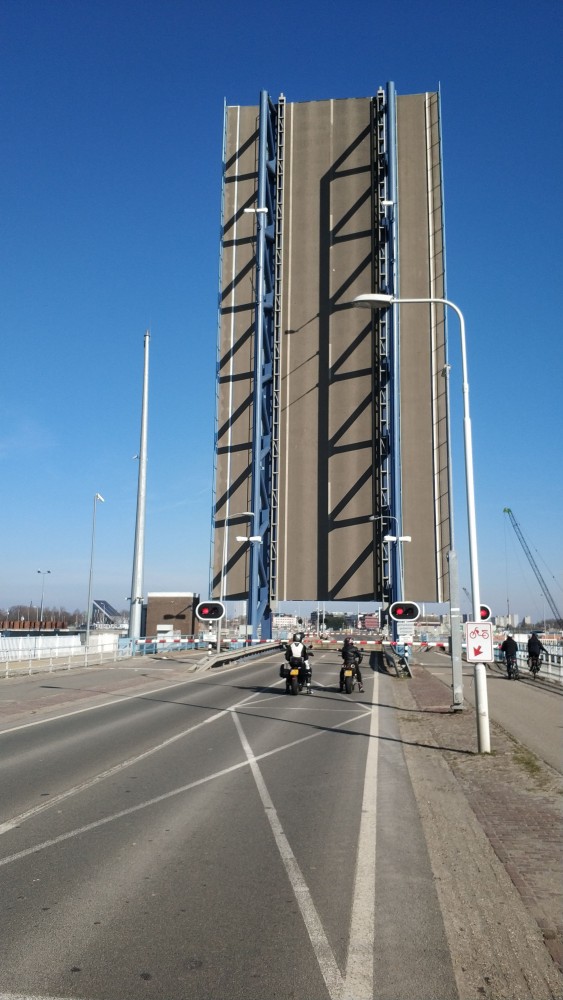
(298, 650)
(535, 646)
(510, 649)
(351, 655)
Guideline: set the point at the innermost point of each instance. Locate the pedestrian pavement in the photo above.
(493, 823)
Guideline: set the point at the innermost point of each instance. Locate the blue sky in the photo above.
(111, 123)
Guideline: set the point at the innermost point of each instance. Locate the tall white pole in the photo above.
(480, 679)
(97, 496)
(136, 608)
(44, 573)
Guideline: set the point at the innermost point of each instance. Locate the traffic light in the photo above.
(404, 611)
(484, 612)
(210, 611)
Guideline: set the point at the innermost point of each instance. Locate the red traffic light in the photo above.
(404, 611)
(484, 612)
(210, 611)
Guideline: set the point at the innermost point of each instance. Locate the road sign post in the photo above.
(479, 640)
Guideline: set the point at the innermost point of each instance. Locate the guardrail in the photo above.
(551, 665)
(231, 656)
(46, 664)
(29, 663)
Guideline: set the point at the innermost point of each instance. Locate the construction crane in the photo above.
(544, 588)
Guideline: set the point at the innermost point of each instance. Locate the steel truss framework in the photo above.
(265, 403)
(386, 500)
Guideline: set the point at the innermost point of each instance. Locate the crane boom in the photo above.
(535, 567)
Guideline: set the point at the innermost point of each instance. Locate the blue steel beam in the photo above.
(259, 615)
(393, 283)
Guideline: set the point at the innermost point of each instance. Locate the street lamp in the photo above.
(97, 497)
(379, 300)
(384, 517)
(44, 573)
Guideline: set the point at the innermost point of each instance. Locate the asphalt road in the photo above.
(529, 710)
(218, 838)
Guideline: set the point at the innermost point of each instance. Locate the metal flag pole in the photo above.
(136, 608)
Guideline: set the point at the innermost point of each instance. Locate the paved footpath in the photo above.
(488, 816)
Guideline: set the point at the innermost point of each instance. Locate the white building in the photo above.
(286, 623)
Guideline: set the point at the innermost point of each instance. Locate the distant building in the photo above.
(507, 621)
(372, 622)
(285, 623)
(171, 614)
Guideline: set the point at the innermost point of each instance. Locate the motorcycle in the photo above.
(349, 676)
(296, 676)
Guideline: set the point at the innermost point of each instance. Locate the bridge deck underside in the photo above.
(327, 453)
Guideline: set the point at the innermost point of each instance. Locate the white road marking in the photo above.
(358, 984)
(167, 795)
(325, 957)
(26, 996)
(57, 799)
(118, 699)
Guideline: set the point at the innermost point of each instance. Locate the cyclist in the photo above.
(535, 647)
(351, 654)
(509, 648)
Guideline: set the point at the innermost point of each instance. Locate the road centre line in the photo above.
(358, 983)
(90, 782)
(76, 789)
(168, 795)
(324, 954)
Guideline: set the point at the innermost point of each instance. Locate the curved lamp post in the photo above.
(381, 301)
(377, 300)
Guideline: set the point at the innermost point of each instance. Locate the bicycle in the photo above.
(534, 664)
(512, 668)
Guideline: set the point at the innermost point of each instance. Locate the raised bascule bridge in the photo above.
(332, 421)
